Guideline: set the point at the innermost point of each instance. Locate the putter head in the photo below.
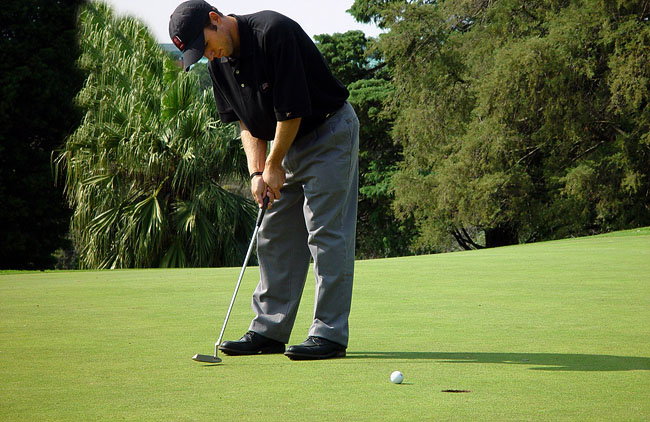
(206, 358)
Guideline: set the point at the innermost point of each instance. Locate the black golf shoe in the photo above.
(251, 344)
(315, 348)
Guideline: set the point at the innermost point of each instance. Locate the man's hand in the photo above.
(274, 178)
(258, 189)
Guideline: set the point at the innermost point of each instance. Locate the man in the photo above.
(269, 76)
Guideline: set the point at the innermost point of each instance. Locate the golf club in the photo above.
(215, 358)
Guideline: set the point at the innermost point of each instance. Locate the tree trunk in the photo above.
(501, 236)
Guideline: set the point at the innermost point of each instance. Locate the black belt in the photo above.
(331, 113)
(312, 122)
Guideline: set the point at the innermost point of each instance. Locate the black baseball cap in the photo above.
(186, 29)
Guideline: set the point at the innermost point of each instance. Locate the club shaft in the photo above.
(234, 295)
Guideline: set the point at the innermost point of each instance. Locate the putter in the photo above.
(215, 358)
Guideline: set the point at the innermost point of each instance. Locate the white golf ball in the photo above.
(397, 377)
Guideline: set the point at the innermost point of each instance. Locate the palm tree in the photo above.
(145, 169)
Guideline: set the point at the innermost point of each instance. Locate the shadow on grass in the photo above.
(541, 361)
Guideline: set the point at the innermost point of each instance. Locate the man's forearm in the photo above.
(255, 150)
(285, 133)
(273, 176)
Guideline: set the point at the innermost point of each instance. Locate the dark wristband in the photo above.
(257, 173)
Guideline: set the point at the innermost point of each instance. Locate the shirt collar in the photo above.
(245, 37)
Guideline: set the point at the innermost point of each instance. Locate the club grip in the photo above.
(262, 211)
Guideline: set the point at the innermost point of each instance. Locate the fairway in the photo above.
(542, 332)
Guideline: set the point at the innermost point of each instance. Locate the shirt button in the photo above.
(237, 72)
(242, 85)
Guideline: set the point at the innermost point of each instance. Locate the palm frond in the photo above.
(143, 170)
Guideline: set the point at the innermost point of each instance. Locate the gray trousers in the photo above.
(315, 217)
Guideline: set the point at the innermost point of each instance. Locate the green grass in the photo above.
(548, 331)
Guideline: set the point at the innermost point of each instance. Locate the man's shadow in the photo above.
(537, 361)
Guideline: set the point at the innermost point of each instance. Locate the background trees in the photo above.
(364, 73)
(145, 171)
(38, 81)
(519, 121)
(483, 124)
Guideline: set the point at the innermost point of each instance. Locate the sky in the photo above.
(315, 16)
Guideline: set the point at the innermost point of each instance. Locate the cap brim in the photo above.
(194, 52)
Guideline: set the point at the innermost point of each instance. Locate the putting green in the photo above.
(547, 331)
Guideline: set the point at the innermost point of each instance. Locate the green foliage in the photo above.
(364, 73)
(345, 54)
(38, 81)
(368, 11)
(201, 70)
(520, 121)
(143, 171)
(378, 157)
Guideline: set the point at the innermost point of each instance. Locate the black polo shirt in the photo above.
(279, 75)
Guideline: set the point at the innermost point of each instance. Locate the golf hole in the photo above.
(456, 391)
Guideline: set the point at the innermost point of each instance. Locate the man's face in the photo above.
(218, 43)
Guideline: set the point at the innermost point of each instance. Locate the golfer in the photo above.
(268, 75)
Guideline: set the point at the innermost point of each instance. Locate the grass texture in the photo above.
(549, 331)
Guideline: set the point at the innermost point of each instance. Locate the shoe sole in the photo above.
(263, 351)
(306, 356)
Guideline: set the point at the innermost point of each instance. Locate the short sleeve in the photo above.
(225, 110)
(291, 97)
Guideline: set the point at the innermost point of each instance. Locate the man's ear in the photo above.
(215, 18)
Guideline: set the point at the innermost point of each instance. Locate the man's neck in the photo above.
(234, 33)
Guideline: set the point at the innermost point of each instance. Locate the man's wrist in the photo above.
(274, 160)
(256, 173)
